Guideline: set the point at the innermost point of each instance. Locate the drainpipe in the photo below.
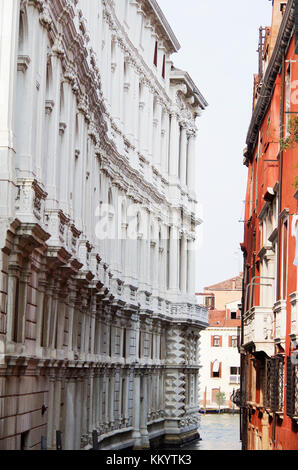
(252, 283)
(281, 134)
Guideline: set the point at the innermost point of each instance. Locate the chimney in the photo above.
(278, 10)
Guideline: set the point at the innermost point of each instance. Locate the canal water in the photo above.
(218, 432)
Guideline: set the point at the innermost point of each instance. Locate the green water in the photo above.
(218, 432)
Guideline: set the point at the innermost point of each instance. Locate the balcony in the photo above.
(294, 316)
(280, 312)
(235, 379)
(292, 389)
(273, 385)
(258, 329)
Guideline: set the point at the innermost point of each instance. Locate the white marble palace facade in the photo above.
(99, 327)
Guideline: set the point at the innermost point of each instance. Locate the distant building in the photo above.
(219, 295)
(269, 365)
(220, 358)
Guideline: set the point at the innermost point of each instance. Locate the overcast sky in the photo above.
(219, 41)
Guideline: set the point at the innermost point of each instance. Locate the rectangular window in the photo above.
(110, 341)
(124, 344)
(210, 302)
(235, 375)
(152, 346)
(216, 369)
(164, 67)
(284, 259)
(24, 440)
(16, 312)
(155, 54)
(216, 341)
(123, 397)
(140, 344)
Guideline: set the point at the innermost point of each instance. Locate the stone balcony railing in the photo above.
(280, 312)
(258, 329)
(190, 313)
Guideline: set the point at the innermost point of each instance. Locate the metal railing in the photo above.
(292, 389)
(273, 384)
(235, 379)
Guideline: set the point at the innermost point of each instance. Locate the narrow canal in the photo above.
(218, 432)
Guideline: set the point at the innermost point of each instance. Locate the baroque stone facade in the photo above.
(99, 327)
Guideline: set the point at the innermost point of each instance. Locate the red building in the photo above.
(269, 328)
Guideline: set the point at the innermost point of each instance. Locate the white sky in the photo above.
(219, 40)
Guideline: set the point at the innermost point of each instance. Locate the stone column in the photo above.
(127, 90)
(40, 314)
(183, 266)
(53, 318)
(173, 262)
(92, 402)
(174, 146)
(112, 398)
(84, 429)
(115, 82)
(60, 322)
(70, 415)
(66, 154)
(136, 412)
(71, 313)
(191, 276)
(182, 160)
(157, 134)
(126, 397)
(191, 163)
(143, 121)
(107, 398)
(57, 404)
(100, 419)
(51, 411)
(78, 411)
(143, 411)
(53, 145)
(164, 141)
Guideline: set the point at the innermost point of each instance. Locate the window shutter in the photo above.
(212, 340)
(230, 341)
(220, 341)
(220, 369)
(211, 369)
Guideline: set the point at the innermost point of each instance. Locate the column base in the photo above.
(178, 440)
